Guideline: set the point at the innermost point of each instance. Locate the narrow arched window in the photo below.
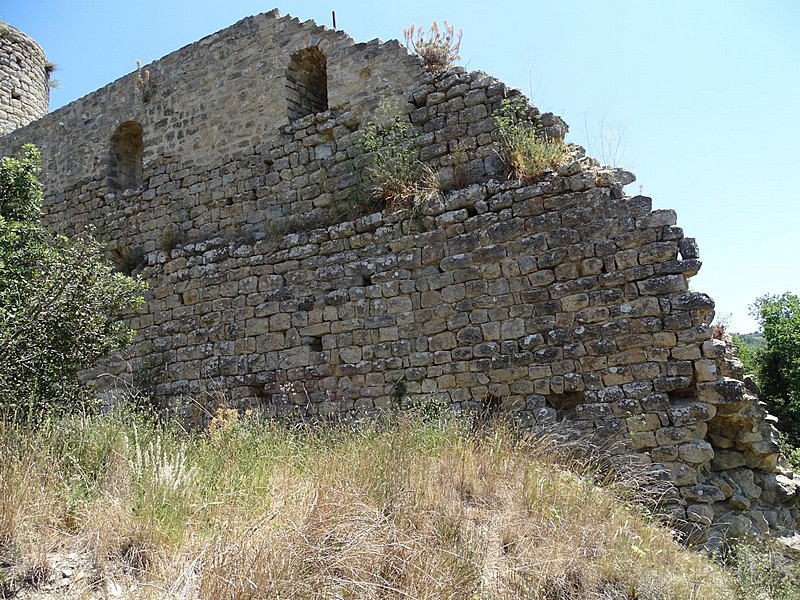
(125, 157)
(307, 83)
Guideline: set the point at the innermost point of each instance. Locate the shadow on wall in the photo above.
(307, 83)
(125, 157)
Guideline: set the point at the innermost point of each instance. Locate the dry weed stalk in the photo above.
(392, 170)
(438, 49)
(144, 85)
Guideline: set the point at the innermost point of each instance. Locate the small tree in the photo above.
(748, 345)
(60, 302)
(778, 364)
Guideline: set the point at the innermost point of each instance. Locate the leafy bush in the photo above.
(60, 303)
(777, 365)
(747, 353)
(526, 150)
(393, 172)
(439, 49)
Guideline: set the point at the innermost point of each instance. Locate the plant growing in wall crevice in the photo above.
(461, 176)
(144, 85)
(128, 260)
(525, 148)
(438, 49)
(172, 237)
(49, 69)
(391, 171)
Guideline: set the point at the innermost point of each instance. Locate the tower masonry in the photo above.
(25, 80)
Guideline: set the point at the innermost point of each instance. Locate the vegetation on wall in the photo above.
(60, 303)
(144, 85)
(392, 171)
(438, 49)
(526, 149)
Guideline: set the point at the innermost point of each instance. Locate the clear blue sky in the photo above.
(704, 96)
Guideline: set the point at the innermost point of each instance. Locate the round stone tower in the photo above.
(24, 79)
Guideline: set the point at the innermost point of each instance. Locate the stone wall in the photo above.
(211, 100)
(24, 85)
(562, 299)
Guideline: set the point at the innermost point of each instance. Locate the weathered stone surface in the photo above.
(738, 525)
(687, 413)
(680, 473)
(727, 459)
(744, 481)
(688, 248)
(644, 422)
(642, 440)
(726, 391)
(667, 436)
(25, 92)
(700, 513)
(693, 301)
(705, 370)
(779, 489)
(696, 453)
(739, 502)
(703, 493)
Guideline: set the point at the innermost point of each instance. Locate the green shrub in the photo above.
(392, 171)
(747, 353)
(526, 150)
(60, 303)
(777, 365)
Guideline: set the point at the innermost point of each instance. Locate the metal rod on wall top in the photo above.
(333, 14)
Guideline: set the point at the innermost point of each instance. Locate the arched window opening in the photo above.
(307, 83)
(125, 161)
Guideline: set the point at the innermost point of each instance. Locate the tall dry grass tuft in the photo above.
(413, 509)
(16, 479)
(30, 505)
(524, 146)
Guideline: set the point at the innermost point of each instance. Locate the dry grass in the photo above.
(530, 155)
(250, 510)
(412, 190)
(391, 170)
(526, 149)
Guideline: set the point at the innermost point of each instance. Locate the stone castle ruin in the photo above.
(25, 83)
(226, 175)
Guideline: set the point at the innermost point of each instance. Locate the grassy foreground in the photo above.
(118, 507)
